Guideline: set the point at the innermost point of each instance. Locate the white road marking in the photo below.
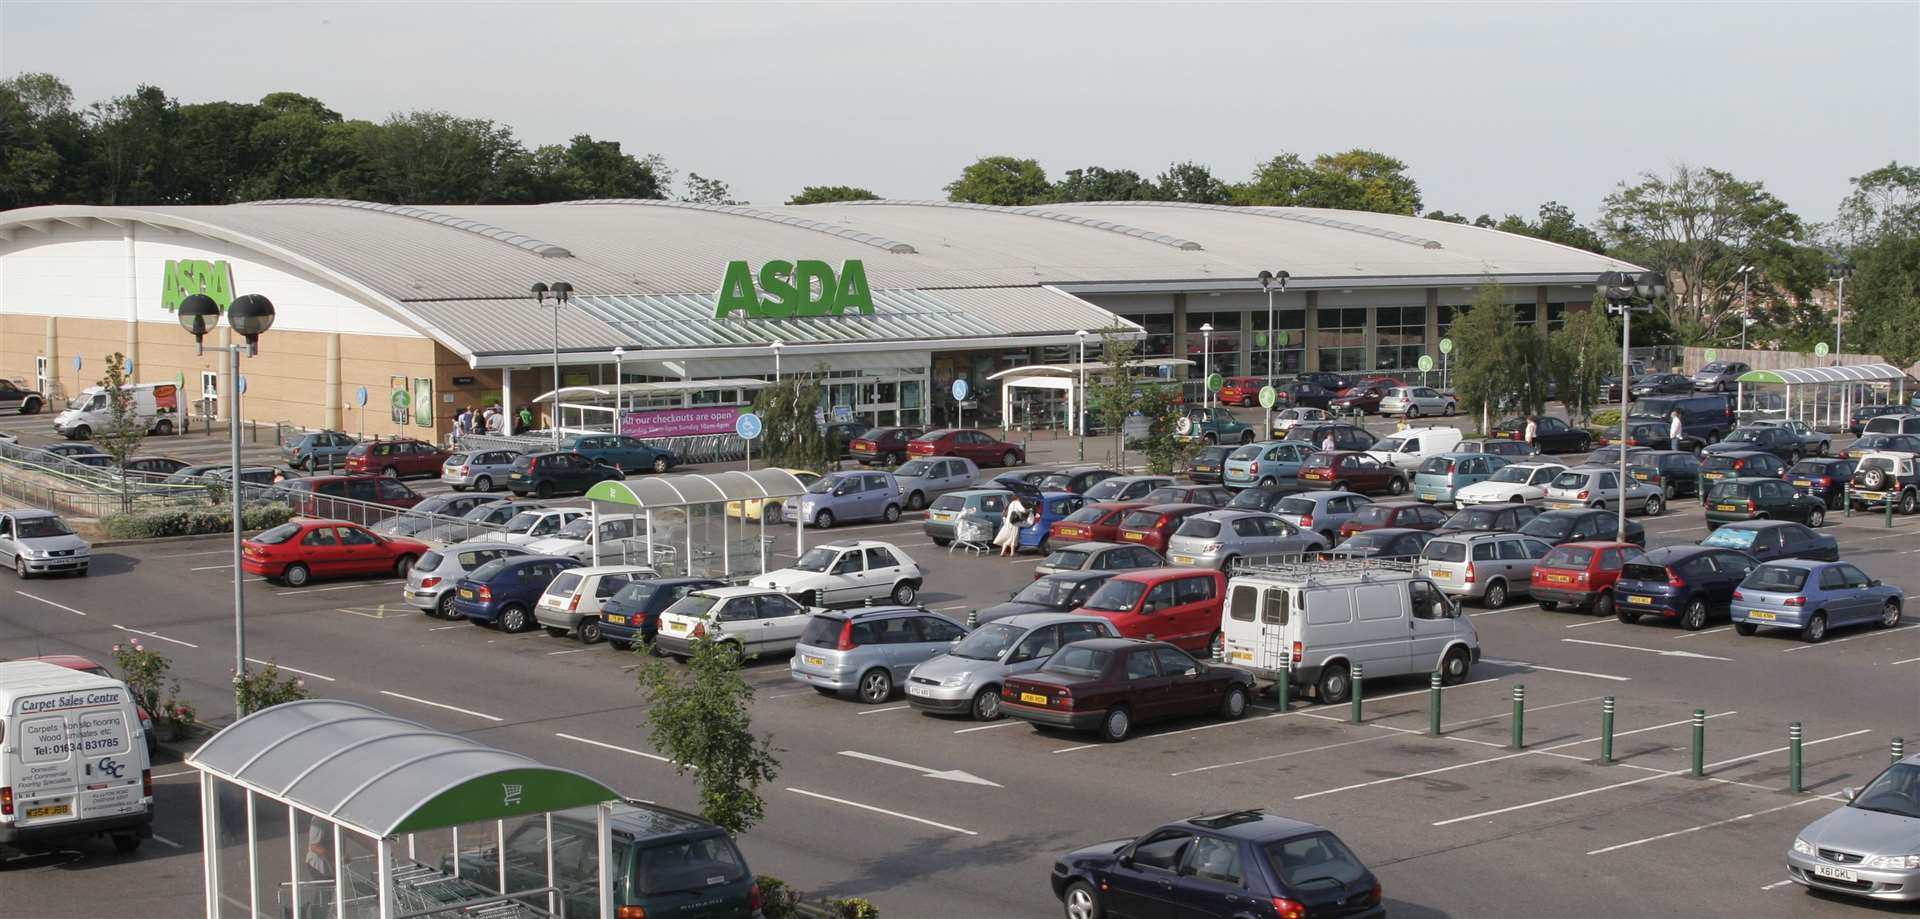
(442, 628)
(1840, 641)
(155, 635)
(783, 695)
(881, 810)
(193, 554)
(595, 743)
(1695, 829)
(277, 664)
(876, 711)
(1778, 884)
(988, 727)
(212, 568)
(1274, 756)
(1907, 661)
(950, 775)
(1504, 609)
(50, 603)
(1533, 666)
(1724, 628)
(1581, 625)
(568, 651)
(1660, 651)
(166, 842)
(450, 708)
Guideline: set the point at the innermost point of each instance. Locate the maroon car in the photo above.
(346, 496)
(1212, 495)
(1392, 516)
(882, 446)
(969, 443)
(1351, 470)
(1108, 685)
(1152, 525)
(396, 459)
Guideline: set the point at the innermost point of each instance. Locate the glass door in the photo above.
(879, 402)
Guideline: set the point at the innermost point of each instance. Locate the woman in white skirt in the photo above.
(1008, 538)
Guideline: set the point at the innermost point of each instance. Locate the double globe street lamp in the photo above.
(1628, 293)
(561, 292)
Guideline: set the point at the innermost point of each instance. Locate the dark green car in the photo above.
(1751, 498)
(1212, 426)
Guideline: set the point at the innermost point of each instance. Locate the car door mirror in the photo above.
(1874, 583)
(1849, 793)
(1190, 672)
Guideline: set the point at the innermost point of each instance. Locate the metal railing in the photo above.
(1292, 567)
(691, 450)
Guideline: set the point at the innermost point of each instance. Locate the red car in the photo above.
(1241, 390)
(1151, 525)
(295, 552)
(1351, 470)
(1390, 516)
(968, 443)
(1111, 684)
(885, 446)
(1180, 606)
(315, 496)
(396, 459)
(85, 665)
(1215, 496)
(1093, 523)
(1580, 575)
(1374, 381)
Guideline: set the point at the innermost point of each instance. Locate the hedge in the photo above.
(780, 900)
(192, 521)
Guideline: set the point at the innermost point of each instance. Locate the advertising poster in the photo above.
(423, 402)
(398, 399)
(680, 422)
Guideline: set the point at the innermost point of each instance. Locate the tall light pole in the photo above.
(250, 315)
(1839, 271)
(1269, 281)
(776, 345)
(1746, 301)
(1206, 363)
(1080, 394)
(619, 377)
(561, 291)
(1627, 294)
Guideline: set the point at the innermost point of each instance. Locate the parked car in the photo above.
(1360, 473)
(1209, 465)
(1881, 443)
(18, 399)
(886, 446)
(1510, 449)
(1362, 398)
(1218, 539)
(844, 496)
(1561, 527)
(1611, 383)
(1042, 514)
(1650, 434)
(1284, 419)
(1092, 522)
(1813, 597)
(1674, 472)
(479, 522)
(1109, 685)
(1241, 391)
(968, 443)
(536, 522)
(1098, 556)
(1410, 448)
(1772, 540)
(1076, 479)
(1661, 384)
(550, 473)
(1550, 434)
(1812, 442)
(944, 516)
(299, 550)
(1601, 487)
(632, 615)
(967, 679)
(1507, 518)
(1261, 499)
(1488, 567)
(1580, 575)
(1153, 524)
(1322, 512)
(920, 481)
(1415, 401)
(35, 542)
(1517, 483)
(72, 450)
(1857, 421)
(152, 469)
(865, 653)
(1210, 495)
(1213, 426)
(1761, 499)
(1717, 466)
(621, 538)
(1345, 436)
(394, 459)
(1703, 418)
(317, 450)
(503, 592)
(1303, 394)
(1685, 583)
(1718, 376)
(1266, 464)
(1385, 543)
(185, 475)
(1126, 487)
(479, 470)
(1385, 516)
(1887, 477)
(770, 510)
(1778, 441)
(840, 436)
(846, 572)
(1441, 479)
(1824, 478)
(751, 622)
(571, 603)
(1864, 848)
(1180, 606)
(430, 512)
(627, 454)
(430, 581)
(1055, 593)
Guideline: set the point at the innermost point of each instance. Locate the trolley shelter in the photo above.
(682, 522)
(326, 809)
(1825, 397)
(1042, 381)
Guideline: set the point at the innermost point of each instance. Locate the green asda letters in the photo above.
(786, 289)
(188, 276)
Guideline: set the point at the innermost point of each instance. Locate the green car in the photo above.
(1751, 498)
(1213, 426)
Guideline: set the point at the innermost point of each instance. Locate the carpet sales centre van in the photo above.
(73, 763)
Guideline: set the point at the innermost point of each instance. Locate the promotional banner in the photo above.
(680, 422)
(423, 402)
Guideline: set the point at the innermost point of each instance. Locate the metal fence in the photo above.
(696, 449)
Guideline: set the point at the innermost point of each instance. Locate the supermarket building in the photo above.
(426, 309)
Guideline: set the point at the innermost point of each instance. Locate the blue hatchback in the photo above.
(1688, 583)
(1813, 596)
(631, 616)
(503, 592)
(1053, 507)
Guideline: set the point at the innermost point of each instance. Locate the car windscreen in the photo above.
(1896, 792)
(1774, 578)
(524, 521)
(1367, 539)
(1445, 550)
(1714, 367)
(1059, 481)
(988, 642)
(1549, 526)
(1198, 528)
(1392, 444)
(1298, 507)
(1165, 496)
(489, 570)
(1516, 475)
(687, 866)
(278, 534)
(823, 485)
(40, 527)
(692, 606)
(1731, 538)
(1078, 661)
(816, 559)
(1048, 591)
(1744, 436)
(580, 528)
(913, 468)
(1066, 559)
(1107, 490)
(1117, 596)
(1247, 452)
(1570, 480)
(1568, 557)
(563, 585)
(1140, 520)
(1314, 862)
(1086, 515)
(949, 503)
(1252, 499)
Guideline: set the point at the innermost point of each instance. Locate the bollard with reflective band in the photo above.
(1606, 731)
(1357, 716)
(1899, 749)
(1699, 742)
(1433, 704)
(1847, 493)
(1519, 716)
(1793, 757)
(1285, 689)
(973, 619)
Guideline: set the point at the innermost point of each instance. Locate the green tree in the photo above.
(1193, 182)
(43, 143)
(1486, 376)
(1883, 299)
(137, 150)
(701, 719)
(1358, 180)
(1167, 453)
(702, 190)
(1589, 349)
(824, 194)
(1555, 224)
(1097, 183)
(1002, 180)
(1112, 394)
(1445, 217)
(217, 156)
(432, 157)
(1885, 201)
(125, 428)
(791, 437)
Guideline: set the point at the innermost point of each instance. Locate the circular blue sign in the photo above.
(76, 362)
(361, 395)
(843, 413)
(748, 426)
(243, 384)
(960, 390)
(128, 367)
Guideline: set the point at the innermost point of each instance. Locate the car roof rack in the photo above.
(1315, 571)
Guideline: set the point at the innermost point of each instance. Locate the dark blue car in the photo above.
(631, 616)
(1244, 863)
(503, 592)
(1052, 508)
(1687, 583)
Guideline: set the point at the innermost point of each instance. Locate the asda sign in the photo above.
(188, 276)
(808, 287)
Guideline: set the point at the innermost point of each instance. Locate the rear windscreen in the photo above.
(1296, 506)
(1638, 572)
(949, 503)
(1568, 557)
(1438, 465)
(1776, 578)
(1247, 452)
(1716, 462)
(1140, 520)
(427, 562)
(822, 631)
(1728, 491)
(1200, 529)
(564, 584)
(1445, 551)
(1809, 469)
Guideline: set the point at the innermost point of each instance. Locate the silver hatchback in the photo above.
(480, 470)
(922, 480)
(1215, 539)
(865, 653)
(430, 581)
(966, 680)
(1488, 567)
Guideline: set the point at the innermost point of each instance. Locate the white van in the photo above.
(1409, 448)
(158, 404)
(1312, 624)
(73, 760)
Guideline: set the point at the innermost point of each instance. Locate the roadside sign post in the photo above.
(1426, 366)
(959, 402)
(749, 427)
(1268, 396)
(360, 397)
(1446, 350)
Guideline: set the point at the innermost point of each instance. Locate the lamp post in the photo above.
(561, 291)
(250, 315)
(1839, 271)
(776, 345)
(1627, 294)
(1206, 363)
(619, 379)
(1268, 281)
(1080, 394)
(1746, 301)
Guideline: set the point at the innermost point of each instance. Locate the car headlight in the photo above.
(35, 553)
(1801, 846)
(1894, 862)
(957, 679)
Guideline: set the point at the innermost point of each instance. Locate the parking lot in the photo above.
(937, 817)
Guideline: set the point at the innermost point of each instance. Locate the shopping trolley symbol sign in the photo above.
(510, 795)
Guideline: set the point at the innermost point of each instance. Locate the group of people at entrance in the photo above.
(489, 420)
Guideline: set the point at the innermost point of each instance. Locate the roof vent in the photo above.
(1281, 213)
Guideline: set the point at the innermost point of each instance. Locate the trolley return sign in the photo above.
(808, 287)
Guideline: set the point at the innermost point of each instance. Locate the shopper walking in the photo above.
(1008, 539)
(1533, 431)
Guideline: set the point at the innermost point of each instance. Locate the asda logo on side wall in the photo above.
(807, 287)
(188, 276)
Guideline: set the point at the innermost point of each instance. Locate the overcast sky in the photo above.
(1496, 107)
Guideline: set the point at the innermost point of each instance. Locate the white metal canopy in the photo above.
(1844, 373)
(681, 494)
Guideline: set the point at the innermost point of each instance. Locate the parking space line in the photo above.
(50, 603)
(155, 635)
(1724, 628)
(1274, 756)
(314, 590)
(880, 810)
(165, 841)
(1663, 652)
(1907, 661)
(1533, 666)
(1504, 609)
(890, 708)
(988, 727)
(450, 708)
(193, 554)
(280, 666)
(1841, 641)
(1581, 625)
(568, 651)
(595, 743)
(442, 628)
(1695, 829)
(1778, 884)
(212, 568)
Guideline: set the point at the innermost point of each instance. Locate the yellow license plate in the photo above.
(939, 516)
(1642, 477)
(1183, 559)
(1559, 578)
(513, 475)
(52, 810)
(1136, 537)
(1640, 601)
(1726, 507)
(1442, 573)
(466, 594)
(1803, 483)
(1072, 531)
(815, 661)
(1242, 655)
(677, 626)
(1033, 698)
(1761, 615)
(617, 620)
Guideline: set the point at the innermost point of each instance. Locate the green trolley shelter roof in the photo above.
(1845, 373)
(657, 492)
(381, 775)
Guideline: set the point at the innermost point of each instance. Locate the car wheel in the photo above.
(30, 407)
(1268, 482)
(1082, 902)
(1454, 667)
(1452, 409)
(986, 704)
(296, 575)
(1890, 614)
(1655, 505)
(904, 592)
(1816, 518)
(20, 569)
(1694, 617)
(82, 432)
(1820, 449)
(1793, 456)
(1745, 628)
(810, 599)
(483, 483)
(124, 843)
(1626, 615)
(1246, 437)
(391, 472)
(1413, 411)
(544, 490)
(164, 428)
(1210, 440)
(402, 565)
(1669, 492)
(1816, 630)
(1011, 458)
(1342, 486)
(1603, 605)
(876, 686)
(1496, 595)
(556, 631)
(1117, 725)
(514, 618)
(660, 464)
(1396, 486)
(1908, 503)
(891, 514)
(916, 501)
(823, 520)
(443, 607)
(1234, 706)
(1334, 684)
(941, 541)
(772, 513)
(459, 488)
(619, 644)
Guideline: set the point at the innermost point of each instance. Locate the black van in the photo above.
(1707, 418)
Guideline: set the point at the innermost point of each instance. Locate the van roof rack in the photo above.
(1312, 571)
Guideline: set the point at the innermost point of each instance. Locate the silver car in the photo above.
(1812, 442)
(966, 680)
(864, 653)
(1488, 567)
(1098, 556)
(922, 480)
(430, 581)
(1599, 487)
(491, 517)
(1868, 847)
(1215, 539)
(1126, 487)
(1322, 512)
(1414, 401)
(431, 512)
(39, 542)
(843, 496)
(480, 470)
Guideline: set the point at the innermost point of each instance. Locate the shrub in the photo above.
(777, 900)
(1606, 418)
(265, 688)
(145, 673)
(852, 908)
(192, 521)
(780, 900)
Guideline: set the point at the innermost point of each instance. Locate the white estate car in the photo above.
(1285, 419)
(1517, 484)
(847, 573)
(536, 523)
(754, 621)
(622, 539)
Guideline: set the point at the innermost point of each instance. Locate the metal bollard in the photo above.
(1899, 749)
(1846, 492)
(973, 619)
(1889, 511)
(1433, 704)
(1606, 731)
(1357, 716)
(1699, 742)
(1519, 716)
(1285, 689)
(1793, 757)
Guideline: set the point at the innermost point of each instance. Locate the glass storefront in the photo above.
(1400, 337)
(1224, 342)
(1289, 356)
(1343, 339)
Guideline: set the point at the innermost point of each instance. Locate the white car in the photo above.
(1285, 419)
(1409, 448)
(622, 539)
(571, 603)
(536, 523)
(847, 573)
(755, 621)
(1599, 487)
(1414, 401)
(1519, 483)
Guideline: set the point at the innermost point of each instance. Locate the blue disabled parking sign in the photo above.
(748, 426)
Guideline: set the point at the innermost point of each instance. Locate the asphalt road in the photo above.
(1459, 825)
